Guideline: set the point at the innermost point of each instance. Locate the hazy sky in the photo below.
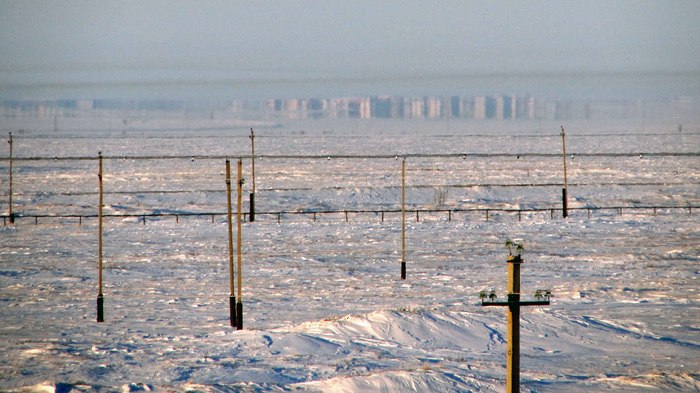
(48, 41)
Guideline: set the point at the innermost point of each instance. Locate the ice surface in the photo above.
(324, 308)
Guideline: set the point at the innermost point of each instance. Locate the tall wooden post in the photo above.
(232, 296)
(513, 322)
(252, 174)
(564, 190)
(513, 319)
(100, 297)
(12, 216)
(403, 219)
(239, 305)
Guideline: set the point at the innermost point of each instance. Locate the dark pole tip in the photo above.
(232, 310)
(239, 311)
(100, 308)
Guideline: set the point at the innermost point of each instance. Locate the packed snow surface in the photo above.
(324, 306)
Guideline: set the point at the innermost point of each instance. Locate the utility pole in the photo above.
(564, 190)
(232, 296)
(514, 303)
(100, 298)
(12, 216)
(252, 174)
(403, 219)
(239, 305)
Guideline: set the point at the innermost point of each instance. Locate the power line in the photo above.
(341, 188)
(353, 156)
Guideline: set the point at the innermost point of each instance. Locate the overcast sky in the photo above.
(133, 40)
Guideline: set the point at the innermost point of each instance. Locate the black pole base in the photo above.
(252, 207)
(239, 311)
(565, 211)
(12, 218)
(403, 270)
(232, 310)
(100, 308)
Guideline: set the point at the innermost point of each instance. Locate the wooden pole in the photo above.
(252, 158)
(239, 305)
(564, 190)
(100, 297)
(513, 321)
(403, 219)
(12, 216)
(252, 174)
(513, 318)
(232, 296)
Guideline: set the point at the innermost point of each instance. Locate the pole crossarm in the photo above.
(518, 303)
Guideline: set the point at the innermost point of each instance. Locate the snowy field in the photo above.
(324, 306)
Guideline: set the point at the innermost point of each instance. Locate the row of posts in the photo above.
(236, 307)
(236, 304)
(252, 193)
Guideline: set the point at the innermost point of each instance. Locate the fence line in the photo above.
(346, 212)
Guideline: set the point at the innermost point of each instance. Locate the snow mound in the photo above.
(404, 328)
(401, 381)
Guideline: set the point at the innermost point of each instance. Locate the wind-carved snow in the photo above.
(324, 308)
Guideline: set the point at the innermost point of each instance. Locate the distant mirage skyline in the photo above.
(161, 48)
